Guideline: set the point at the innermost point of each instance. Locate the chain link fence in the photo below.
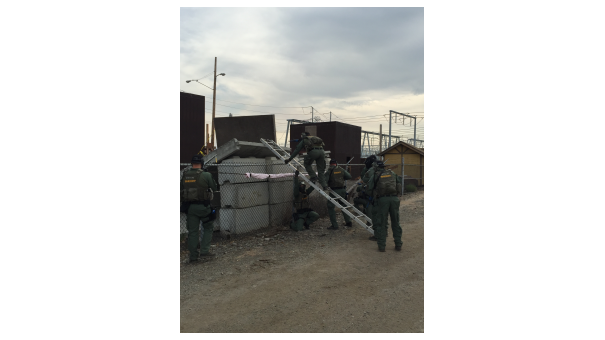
(412, 173)
(245, 204)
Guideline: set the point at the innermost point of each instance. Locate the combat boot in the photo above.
(306, 225)
(332, 227)
(373, 238)
(382, 250)
(349, 224)
(398, 248)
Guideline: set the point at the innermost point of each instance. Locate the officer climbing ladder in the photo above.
(342, 204)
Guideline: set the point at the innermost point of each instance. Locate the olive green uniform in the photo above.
(315, 153)
(386, 203)
(364, 201)
(336, 177)
(366, 173)
(303, 214)
(194, 190)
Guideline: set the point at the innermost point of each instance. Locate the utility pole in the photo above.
(213, 106)
(207, 137)
(380, 140)
(313, 120)
(404, 115)
(330, 115)
(390, 113)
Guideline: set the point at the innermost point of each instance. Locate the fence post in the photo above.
(402, 181)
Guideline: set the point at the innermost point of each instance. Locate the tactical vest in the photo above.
(302, 201)
(337, 178)
(313, 142)
(386, 184)
(195, 187)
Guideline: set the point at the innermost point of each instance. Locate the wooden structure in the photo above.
(413, 162)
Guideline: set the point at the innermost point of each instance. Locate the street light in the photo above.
(210, 145)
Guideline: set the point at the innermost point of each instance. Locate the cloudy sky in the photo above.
(358, 63)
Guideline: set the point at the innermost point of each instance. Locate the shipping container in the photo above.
(341, 139)
(244, 128)
(193, 130)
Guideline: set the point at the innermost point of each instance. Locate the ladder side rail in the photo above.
(336, 201)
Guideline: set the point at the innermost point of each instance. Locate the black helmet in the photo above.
(380, 164)
(370, 159)
(197, 159)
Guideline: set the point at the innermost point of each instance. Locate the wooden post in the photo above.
(213, 106)
(402, 181)
(207, 136)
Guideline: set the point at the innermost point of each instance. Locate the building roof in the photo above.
(405, 145)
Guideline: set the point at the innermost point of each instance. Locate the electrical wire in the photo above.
(279, 107)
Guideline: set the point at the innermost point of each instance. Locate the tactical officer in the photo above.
(365, 202)
(369, 169)
(197, 187)
(303, 215)
(336, 181)
(387, 186)
(315, 152)
(369, 162)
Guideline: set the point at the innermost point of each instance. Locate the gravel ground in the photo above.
(317, 280)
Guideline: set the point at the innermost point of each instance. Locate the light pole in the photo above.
(210, 145)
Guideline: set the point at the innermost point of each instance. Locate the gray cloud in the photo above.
(335, 58)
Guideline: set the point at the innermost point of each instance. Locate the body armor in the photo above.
(195, 187)
(337, 178)
(302, 202)
(386, 184)
(313, 142)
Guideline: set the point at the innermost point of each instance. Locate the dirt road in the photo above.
(317, 280)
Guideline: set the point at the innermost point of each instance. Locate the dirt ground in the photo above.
(314, 281)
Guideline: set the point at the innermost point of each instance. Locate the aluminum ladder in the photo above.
(347, 207)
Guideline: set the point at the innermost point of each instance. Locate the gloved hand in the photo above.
(288, 161)
(296, 173)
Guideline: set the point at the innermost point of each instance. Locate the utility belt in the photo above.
(338, 188)
(387, 196)
(205, 202)
(316, 148)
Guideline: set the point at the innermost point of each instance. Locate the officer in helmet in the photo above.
(303, 215)
(315, 153)
(336, 177)
(197, 187)
(386, 186)
(369, 162)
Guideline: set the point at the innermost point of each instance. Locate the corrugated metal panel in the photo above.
(342, 140)
(193, 130)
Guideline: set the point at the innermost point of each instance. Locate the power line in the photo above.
(279, 107)
(274, 113)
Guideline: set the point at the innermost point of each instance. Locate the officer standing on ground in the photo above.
(365, 199)
(369, 162)
(303, 216)
(366, 172)
(336, 181)
(197, 187)
(387, 186)
(315, 152)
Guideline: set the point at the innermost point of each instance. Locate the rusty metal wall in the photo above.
(244, 128)
(341, 139)
(193, 130)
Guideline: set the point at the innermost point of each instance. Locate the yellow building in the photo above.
(413, 162)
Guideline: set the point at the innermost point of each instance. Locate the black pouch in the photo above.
(304, 210)
(212, 215)
(185, 207)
